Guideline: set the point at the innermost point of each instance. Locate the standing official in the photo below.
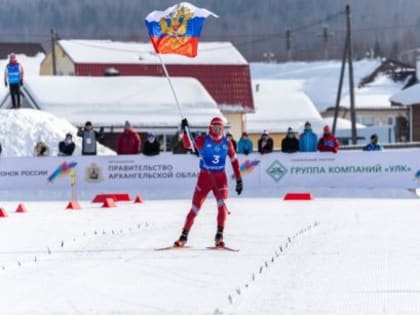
(13, 76)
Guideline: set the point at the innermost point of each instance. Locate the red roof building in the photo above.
(219, 67)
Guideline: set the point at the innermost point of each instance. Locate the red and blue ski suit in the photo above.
(212, 176)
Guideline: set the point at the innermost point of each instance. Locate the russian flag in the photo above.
(177, 29)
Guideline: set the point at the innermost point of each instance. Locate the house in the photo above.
(396, 70)
(280, 104)
(372, 105)
(146, 102)
(320, 83)
(219, 66)
(28, 49)
(410, 97)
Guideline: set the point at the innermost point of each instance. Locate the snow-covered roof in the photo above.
(280, 104)
(341, 123)
(107, 51)
(407, 97)
(374, 95)
(144, 101)
(320, 81)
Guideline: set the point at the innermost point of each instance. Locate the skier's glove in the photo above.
(184, 123)
(21, 82)
(239, 186)
(5, 83)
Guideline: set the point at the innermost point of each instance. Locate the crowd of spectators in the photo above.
(293, 142)
(129, 141)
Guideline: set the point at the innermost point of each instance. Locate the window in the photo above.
(366, 120)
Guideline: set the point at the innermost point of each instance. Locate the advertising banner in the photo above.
(390, 169)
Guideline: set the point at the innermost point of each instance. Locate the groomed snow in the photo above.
(326, 256)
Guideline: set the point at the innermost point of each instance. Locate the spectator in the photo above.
(177, 144)
(265, 143)
(230, 137)
(128, 142)
(13, 76)
(373, 145)
(66, 147)
(90, 136)
(328, 142)
(41, 148)
(151, 145)
(290, 144)
(245, 145)
(308, 140)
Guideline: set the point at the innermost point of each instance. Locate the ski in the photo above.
(172, 248)
(223, 248)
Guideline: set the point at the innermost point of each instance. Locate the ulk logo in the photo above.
(276, 170)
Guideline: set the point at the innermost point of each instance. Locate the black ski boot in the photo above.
(182, 239)
(218, 239)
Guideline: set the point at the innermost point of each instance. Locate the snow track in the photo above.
(327, 256)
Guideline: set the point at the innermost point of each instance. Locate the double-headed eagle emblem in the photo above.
(175, 24)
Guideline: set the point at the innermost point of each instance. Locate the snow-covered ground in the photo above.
(325, 256)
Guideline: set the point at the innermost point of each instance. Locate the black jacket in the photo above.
(267, 148)
(290, 145)
(151, 148)
(66, 148)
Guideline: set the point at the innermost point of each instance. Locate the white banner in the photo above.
(390, 169)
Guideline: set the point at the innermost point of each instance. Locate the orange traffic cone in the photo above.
(73, 205)
(138, 200)
(3, 213)
(108, 203)
(21, 208)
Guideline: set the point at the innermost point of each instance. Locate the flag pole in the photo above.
(178, 104)
(213, 182)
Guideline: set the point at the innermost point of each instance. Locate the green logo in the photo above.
(276, 170)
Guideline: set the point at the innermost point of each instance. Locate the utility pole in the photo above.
(326, 36)
(289, 44)
(53, 53)
(351, 77)
(348, 54)
(340, 86)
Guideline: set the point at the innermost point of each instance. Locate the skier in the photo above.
(213, 149)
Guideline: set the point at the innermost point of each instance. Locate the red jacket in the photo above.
(128, 142)
(328, 143)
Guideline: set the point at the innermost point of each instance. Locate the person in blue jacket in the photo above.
(373, 145)
(13, 76)
(308, 140)
(245, 145)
